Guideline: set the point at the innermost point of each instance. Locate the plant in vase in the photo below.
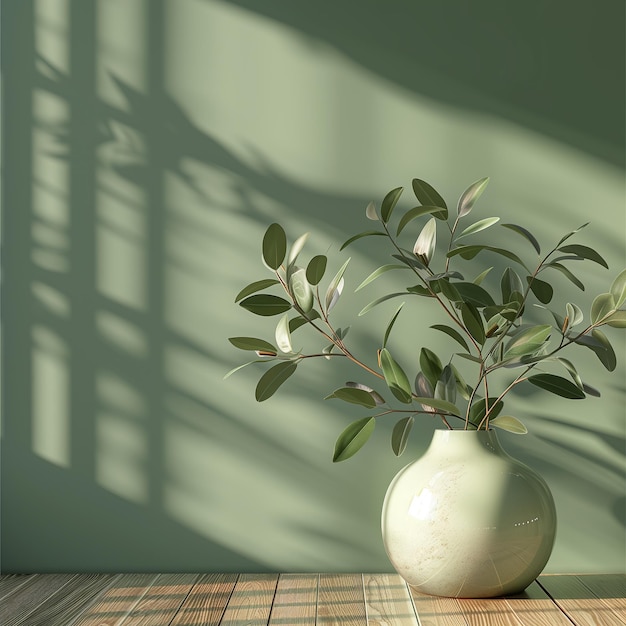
(466, 519)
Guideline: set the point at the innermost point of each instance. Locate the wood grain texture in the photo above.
(341, 600)
(581, 604)
(162, 600)
(534, 607)
(29, 597)
(117, 602)
(206, 601)
(70, 601)
(433, 611)
(295, 602)
(10, 583)
(251, 601)
(387, 601)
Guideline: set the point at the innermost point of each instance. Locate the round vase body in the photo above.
(468, 520)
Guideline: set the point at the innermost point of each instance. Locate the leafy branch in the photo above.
(488, 324)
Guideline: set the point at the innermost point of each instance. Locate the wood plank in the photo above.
(9, 583)
(534, 607)
(207, 600)
(341, 600)
(251, 600)
(609, 587)
(435, 611)
(66, 604)
(27, 598)
(580, 603)
(162, 600)
(295, 602)
(114, 604)
(387, 601)
(488, 611)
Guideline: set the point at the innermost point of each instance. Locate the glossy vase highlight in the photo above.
(468, 520)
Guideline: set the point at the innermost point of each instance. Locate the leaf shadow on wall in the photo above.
(112, 352)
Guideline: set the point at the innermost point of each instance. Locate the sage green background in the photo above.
(147, 146)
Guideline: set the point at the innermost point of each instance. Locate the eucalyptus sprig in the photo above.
(488, 325)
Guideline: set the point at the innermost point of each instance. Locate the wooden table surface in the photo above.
(293, 599)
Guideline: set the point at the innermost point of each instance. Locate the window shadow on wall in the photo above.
(88, 383)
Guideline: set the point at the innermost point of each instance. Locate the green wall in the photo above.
(147, 146)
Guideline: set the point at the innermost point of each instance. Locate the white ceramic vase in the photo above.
(468, 520)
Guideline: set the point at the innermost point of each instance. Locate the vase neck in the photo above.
(465, 442)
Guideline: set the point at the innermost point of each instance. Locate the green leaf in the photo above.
(479, 409)
(376, 302)
(470, 195)
(510, 283)
(528, 341)
(469, 252)
(283, 336)
(573, 232)
(473, 322)
(601, 307)
(526, 234)
(557, 385)
(448, 289)
(440, 405)
(273, 379)
(478, 226)
(240, 367)
(585, 252)
(297, 248)
(353, 396)
(370, 212)
(301, 290)
(376, 273)
(395, 377)
(378, 399)
(470, 292)
(400, 434)
(424, 389)
(389, 202)
(463, 388)
(479, 279)
(334, 289)
(353, 438)
(411, 261)
(617, 319)
(469, 357)
(569, 366)
(618, 289)
(274, 246)
(420, 291)
(296, 322)
(265, 305)
(543, 291)
(391, 323)
(599, 343)
(425, 245)
(428, 196)
(316, 268)
(510, 423)
(451, 332)
(574, 314)
(255, 286)
(606, 354)
(252, 343)
(431, 366)
(416, 212)
(367, 233)
(568, 274)
(445, 389)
